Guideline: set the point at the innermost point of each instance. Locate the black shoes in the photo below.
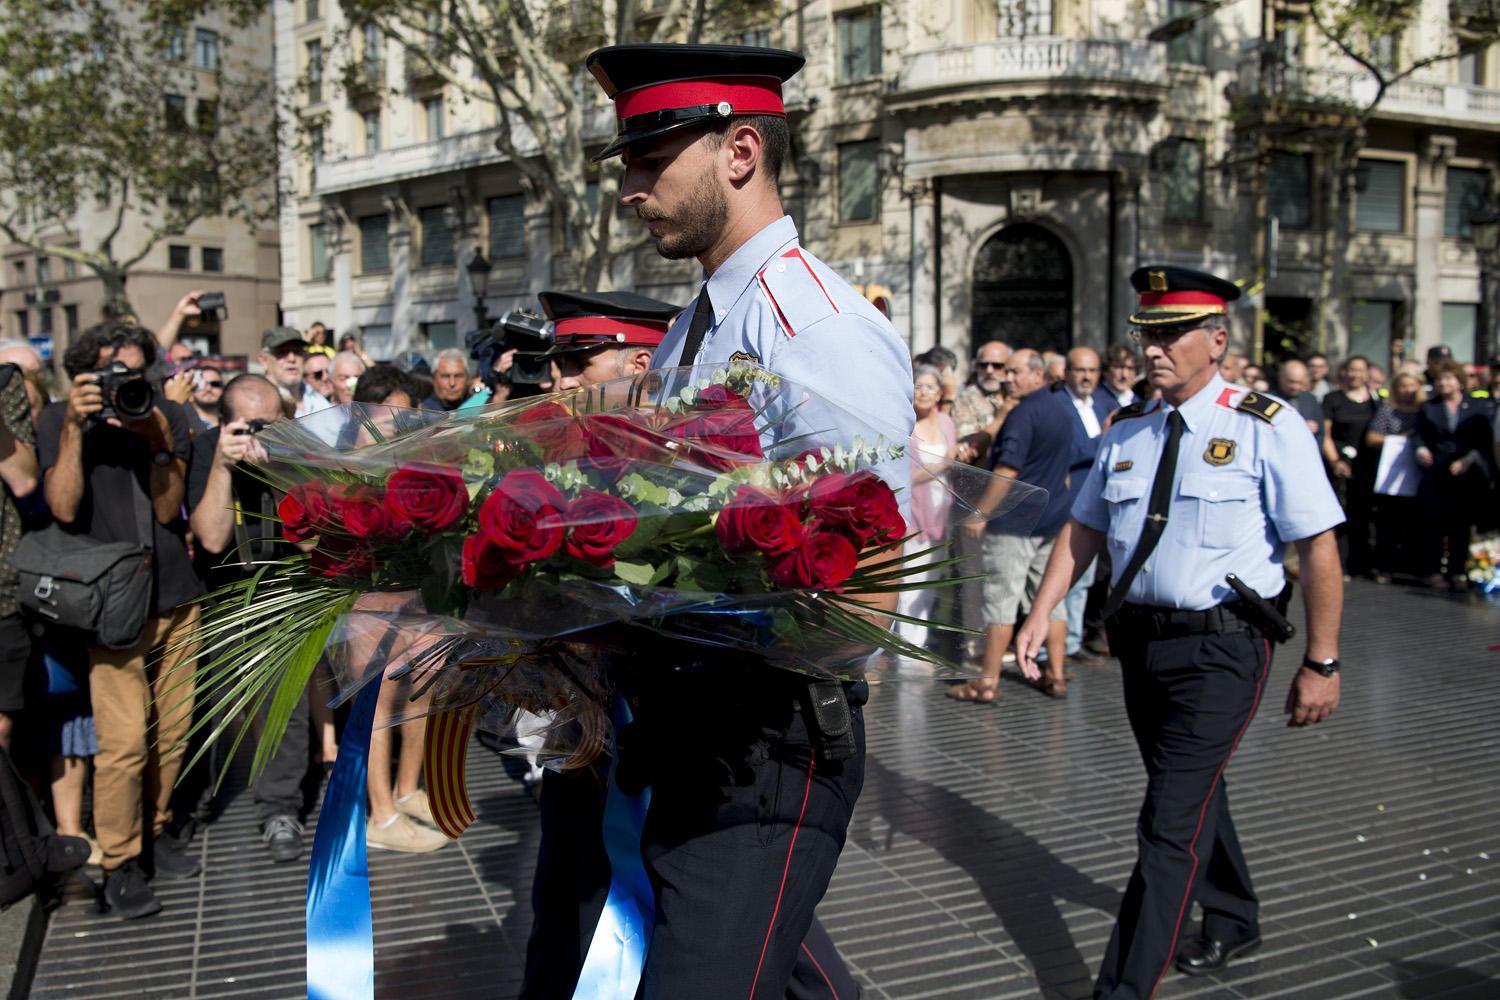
(1207, 955)
(169, 861)
(283, 835)
(128, 895)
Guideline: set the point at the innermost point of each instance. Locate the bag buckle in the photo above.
(43, 589)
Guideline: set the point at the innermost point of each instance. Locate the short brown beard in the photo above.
(699, 222)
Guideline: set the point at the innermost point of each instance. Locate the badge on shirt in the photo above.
(1123, 466)
(1220, 452)
(754, 359)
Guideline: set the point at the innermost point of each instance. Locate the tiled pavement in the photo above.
(987, 854)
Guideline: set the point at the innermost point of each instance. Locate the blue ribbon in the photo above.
(617, 952)
(340, 933)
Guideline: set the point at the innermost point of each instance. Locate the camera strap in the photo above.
(142, 503)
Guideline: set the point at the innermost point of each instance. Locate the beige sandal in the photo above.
(980, 690)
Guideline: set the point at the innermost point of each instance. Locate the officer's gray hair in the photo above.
(452, 354)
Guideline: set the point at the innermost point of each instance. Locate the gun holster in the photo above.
(830, 723)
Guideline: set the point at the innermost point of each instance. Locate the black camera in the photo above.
(255, 427)
(211, 305)
(530, 336)
(127, 394)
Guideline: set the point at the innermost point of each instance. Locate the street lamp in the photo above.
(479, 281)
(1486, 227)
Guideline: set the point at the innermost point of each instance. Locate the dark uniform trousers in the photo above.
(744, 830)
(1190, 698)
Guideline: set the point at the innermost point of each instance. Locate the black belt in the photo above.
(1167, 623)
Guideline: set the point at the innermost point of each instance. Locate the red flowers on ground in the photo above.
(757, 520)
(597, 523)
(523, 516)
(431, 499)
(824, 560)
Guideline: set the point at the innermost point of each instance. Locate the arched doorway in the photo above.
(1023, 290)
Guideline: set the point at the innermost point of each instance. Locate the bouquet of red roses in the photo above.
(465, 551)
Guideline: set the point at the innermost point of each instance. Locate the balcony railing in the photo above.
(1355, 89)
(1042, 58)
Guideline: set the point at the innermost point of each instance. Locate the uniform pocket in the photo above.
(1225, 506)
(1127, 509)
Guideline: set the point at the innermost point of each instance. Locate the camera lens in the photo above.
(134, 398)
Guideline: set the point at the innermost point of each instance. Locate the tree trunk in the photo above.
(116, 302)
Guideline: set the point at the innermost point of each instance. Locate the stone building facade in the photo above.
(1000, 171)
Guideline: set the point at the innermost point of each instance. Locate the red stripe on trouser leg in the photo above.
(806, 793)
(1187, 895)
(814, 960)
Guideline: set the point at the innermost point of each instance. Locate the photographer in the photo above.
(18, 472)
(234, 520)
(115, 445)
(514, 358)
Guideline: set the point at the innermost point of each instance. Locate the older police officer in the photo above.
(1205, 483)
(753, 780)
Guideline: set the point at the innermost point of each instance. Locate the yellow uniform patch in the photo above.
(754, 359)
(1220, 452)
(1123, 466)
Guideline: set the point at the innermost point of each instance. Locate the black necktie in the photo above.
(702, 316)
(1156, 514)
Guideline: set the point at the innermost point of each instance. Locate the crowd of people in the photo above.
(1413, 459)
(106, 729)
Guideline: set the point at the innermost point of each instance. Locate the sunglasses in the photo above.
(990, 365)
(213, 385)
(318, 375)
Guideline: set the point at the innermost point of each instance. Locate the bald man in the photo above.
(982, 406)
(1296, 388)
(234, 520)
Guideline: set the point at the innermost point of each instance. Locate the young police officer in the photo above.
(1190, 490)
(750, 796)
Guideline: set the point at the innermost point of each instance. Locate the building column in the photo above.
(400, 224)
(538, 250)
(924, 251)
(1426, 320)
(465, 235)
(1126, 224)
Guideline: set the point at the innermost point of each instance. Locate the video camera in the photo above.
(528, 335)
(127, 393)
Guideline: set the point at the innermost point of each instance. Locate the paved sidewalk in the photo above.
(987, 855)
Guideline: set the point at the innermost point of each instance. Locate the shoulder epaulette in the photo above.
(1260, 406)
(796, 293)
(1136, 409)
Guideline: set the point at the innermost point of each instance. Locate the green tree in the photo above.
(112, 140)
(525, 57)
(1370, 33)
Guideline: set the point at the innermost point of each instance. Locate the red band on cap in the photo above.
(603, 330)
(748, 95)
(1181, 299)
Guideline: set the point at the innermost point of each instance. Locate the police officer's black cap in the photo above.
(584, 320)
(1177, 296)
(659, 89)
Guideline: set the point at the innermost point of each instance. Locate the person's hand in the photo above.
(188, 304)
(1424, 458)
(505, 361)
(179, 388)
(153, 427)
(235, 447)
(1343, 469)
(1459, 466)
(974, 527)
(1312, 698)
(950, 385)
(85, 400)
(961, 452)
(1029, 642)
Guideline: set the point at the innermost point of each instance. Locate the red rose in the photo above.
(367, 517)
(487, 566)
(758, 521)
(614, 443)
(429, 498)
(823, 561)
(304, 511)
(598, 522)
(554, 430)
(523, 516)
(860, 505)
(722, 439)
(342, 557)
(718, 397)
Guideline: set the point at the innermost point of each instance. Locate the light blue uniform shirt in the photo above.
(1243, 487)
(777, 305)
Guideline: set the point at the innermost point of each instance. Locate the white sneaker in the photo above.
(401, 834)
(417, 807)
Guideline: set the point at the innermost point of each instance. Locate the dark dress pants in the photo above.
(1189, 699)
(278, 789)
(740, 841)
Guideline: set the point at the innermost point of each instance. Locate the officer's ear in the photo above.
(638, 362)
(744, 147)
(1218, 343)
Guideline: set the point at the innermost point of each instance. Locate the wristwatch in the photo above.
(161, 457)
(1328, 668)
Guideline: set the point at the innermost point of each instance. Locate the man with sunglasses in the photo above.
(317, 385)
(1194, 493)
(983, 405)
(208, 390)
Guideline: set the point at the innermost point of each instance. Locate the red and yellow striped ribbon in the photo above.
(444, 758)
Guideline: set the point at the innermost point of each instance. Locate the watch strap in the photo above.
(1328, 668)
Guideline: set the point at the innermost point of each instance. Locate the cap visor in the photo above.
(621, 143)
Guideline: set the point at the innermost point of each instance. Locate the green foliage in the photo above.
(95, 117)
